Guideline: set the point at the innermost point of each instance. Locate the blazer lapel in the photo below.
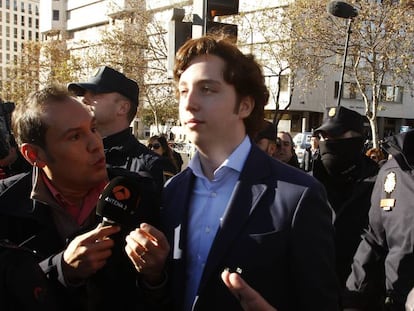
(246, 195)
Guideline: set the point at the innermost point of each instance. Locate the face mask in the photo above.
(340, 156)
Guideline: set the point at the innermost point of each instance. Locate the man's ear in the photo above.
(271, 149)
(124, 106)
(246, 106)
(33, 154)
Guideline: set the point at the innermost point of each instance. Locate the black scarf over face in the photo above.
(340, 156)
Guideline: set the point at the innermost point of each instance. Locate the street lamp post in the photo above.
(343, 10)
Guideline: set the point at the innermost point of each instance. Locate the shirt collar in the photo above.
(88, 204)
(235, 160)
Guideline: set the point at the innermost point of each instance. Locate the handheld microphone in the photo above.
(119, 200)
(341, 9)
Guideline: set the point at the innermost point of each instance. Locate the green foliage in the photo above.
(39, 63)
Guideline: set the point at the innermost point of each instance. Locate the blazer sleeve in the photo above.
(313, 252)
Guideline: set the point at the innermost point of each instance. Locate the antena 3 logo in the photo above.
(121, 193)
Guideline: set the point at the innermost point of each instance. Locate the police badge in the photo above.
(388, 203)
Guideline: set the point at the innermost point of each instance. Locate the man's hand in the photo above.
(87, 253)
(250, 300)
(148, 249)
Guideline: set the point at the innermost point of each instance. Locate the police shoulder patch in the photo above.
(390, 182)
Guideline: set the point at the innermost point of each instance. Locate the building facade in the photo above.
(81, 22)
(19, 22)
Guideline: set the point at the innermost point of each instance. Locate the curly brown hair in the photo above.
(242, 71)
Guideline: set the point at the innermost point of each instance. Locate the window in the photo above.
(22, 34)
(15, 33)
(7, 31)
(15, 46)
(7, 4)
(15, 5)
(22, 21)
(22, 7)
(55, 15)
(272, 82)
(391, 93)
(15, 19)
(284, 83)
(30, 8)
(388, 93)
(7, 17)
(349, 90)
(30, 21)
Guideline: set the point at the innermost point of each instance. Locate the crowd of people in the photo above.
(243, 226)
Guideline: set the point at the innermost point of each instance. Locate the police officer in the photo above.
(383, 268)
(348, 176)
(114, 99)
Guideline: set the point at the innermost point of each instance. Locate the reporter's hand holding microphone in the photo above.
(148, 248)
(89, 252)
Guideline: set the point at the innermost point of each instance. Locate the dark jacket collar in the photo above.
(401, 147)
(118, 138)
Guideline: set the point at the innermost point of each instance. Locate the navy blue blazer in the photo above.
(277, 228)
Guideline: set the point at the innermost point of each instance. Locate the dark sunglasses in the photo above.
(154, 146)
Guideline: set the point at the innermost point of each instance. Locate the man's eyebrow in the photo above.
(202, 81)
(69, 131)
(78, 128)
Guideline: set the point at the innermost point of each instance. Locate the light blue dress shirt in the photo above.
(207, 205)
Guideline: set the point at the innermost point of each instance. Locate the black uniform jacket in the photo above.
(29, 236)
(350, 199)
(384, 262)
(123, 150)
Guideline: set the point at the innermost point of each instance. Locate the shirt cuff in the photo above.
(52, 267)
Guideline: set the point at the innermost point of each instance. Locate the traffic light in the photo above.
(178, 33)
(222, 7)
(204, 12)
